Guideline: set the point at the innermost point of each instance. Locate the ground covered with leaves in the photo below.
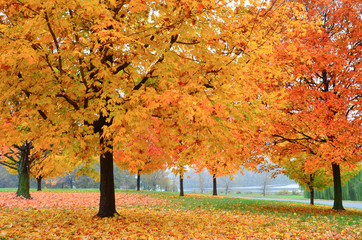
(150, 215)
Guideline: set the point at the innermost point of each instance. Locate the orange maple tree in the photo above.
(84, 64)
(142, 152)
(90, 68)
(22, 146)
(322, 118)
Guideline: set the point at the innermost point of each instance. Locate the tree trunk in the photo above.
(311, 196)
(181, 185)
(337, 205)
(214, 187)
(71, 181)
(138, 181)
(38, 181)
(226, 189)
(264, 187)
(23, 187)
(201, 183)
(107, 203)
(23, 172)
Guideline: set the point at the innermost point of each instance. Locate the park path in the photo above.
(346, 204)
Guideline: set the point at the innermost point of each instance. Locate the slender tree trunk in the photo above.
(265, 183)
(214, 187)
(107, 203)
(38, 181)
(70, 181)
(226, 189)
(201, 183)
(264, 188)
(337, 205)
(181, 185)
(138, 181)
(311, 196)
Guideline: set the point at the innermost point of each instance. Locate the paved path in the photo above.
(346, 204)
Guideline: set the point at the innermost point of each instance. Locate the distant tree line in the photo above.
(248, 178)
(158, 180)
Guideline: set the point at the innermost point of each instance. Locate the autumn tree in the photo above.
(179, 162)
(50, 166)
(156, 180)
(323, 116)
(143, 151)
(89, 68)
(312, 179)
(93, 61)
(20, 146)
(19, 158)
(226, 182)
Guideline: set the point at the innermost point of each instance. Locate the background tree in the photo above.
(50, 166)
(7, 180)
(20, 158)
(226, 182)
(312, 179)
(323, 116)
(351, 190)
(157, 180)
(143, 152)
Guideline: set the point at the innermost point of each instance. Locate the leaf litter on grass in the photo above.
(152, 216)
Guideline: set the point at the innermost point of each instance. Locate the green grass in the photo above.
(193, 212)
(8, 189)
(258, 195)
(283, 209)
(53, 190)
(196, 202)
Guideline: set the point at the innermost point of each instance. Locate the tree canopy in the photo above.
(94, 78)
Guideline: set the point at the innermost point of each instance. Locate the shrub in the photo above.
(283, 192)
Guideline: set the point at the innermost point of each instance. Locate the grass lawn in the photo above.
(259, 195)
(121, 190)
(163, 215)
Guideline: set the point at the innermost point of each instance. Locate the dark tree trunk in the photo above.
(311, 196)
(337, 205)
(38, 181)
(107, 203)
(181, 185)
(23, 172)
(214, 187)
(138, 181)
(23, 187)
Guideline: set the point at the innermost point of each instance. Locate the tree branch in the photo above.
(149, 74)
(9, 165)
(70, 101)
(55, 42)
(188, 43)
(121, 67)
